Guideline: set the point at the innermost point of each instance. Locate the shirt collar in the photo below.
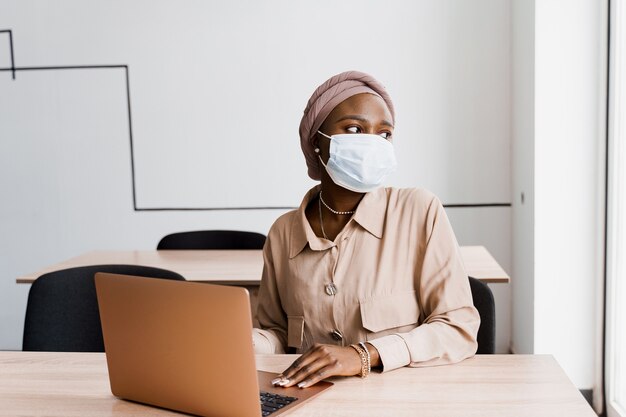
(370, 214)
(301, 232)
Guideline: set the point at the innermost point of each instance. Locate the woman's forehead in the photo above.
(369, 106)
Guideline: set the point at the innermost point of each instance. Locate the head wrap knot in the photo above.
(325, 98)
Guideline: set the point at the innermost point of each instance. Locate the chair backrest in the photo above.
(485, 304)
(213, 239)
(62, 311)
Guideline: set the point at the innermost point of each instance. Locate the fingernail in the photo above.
(275, 381)
(302, 384)
(283, 382)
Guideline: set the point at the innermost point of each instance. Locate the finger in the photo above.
(276, 380)
(307, 371)
(295, 365)
(304, 360)
(284, 378)
(316, 377)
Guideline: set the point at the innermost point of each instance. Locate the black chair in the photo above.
(213, 239)
(62, 311)
(485, 304)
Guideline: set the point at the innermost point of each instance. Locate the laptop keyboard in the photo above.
(271, 402)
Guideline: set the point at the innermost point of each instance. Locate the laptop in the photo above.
(187, 346)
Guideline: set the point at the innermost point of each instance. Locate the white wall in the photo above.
(559, 95)
(217, 90)
(570, 88)
(523, 175)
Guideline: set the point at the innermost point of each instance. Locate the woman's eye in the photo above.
(354, 129)
(386, 135)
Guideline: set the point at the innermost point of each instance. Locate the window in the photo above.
(615, 365)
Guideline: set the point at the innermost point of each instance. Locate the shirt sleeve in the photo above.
(449, 320)
(272, 336)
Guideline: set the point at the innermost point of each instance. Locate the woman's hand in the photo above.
(321, 361)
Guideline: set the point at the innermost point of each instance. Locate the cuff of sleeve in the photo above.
(393, 352)
(266, 342)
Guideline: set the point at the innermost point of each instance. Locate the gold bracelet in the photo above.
(363, 356)
(369, 358)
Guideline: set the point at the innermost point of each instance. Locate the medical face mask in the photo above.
(359, 162)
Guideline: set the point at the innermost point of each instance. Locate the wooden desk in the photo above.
(76, 384)
(237, 267)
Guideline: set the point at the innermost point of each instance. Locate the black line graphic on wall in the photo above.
(14, 69)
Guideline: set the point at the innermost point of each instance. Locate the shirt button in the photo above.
(336, 334)
(331, 289)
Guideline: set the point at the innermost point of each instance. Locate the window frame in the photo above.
(615, 340)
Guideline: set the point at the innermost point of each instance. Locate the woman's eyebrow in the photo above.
(354, 117)
(362, 119)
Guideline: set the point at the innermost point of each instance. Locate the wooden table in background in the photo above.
(76, 384)
(237, 267)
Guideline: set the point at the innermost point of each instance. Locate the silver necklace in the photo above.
(332, 210)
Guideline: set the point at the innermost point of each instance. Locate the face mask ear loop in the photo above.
(322, 162)
(325, 135)
(318, 155)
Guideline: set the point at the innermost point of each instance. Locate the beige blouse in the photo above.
(393, 277)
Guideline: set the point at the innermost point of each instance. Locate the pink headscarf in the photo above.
(325, 98)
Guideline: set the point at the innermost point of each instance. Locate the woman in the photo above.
(361, 276)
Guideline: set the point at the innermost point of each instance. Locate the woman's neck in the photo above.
(338, 198)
